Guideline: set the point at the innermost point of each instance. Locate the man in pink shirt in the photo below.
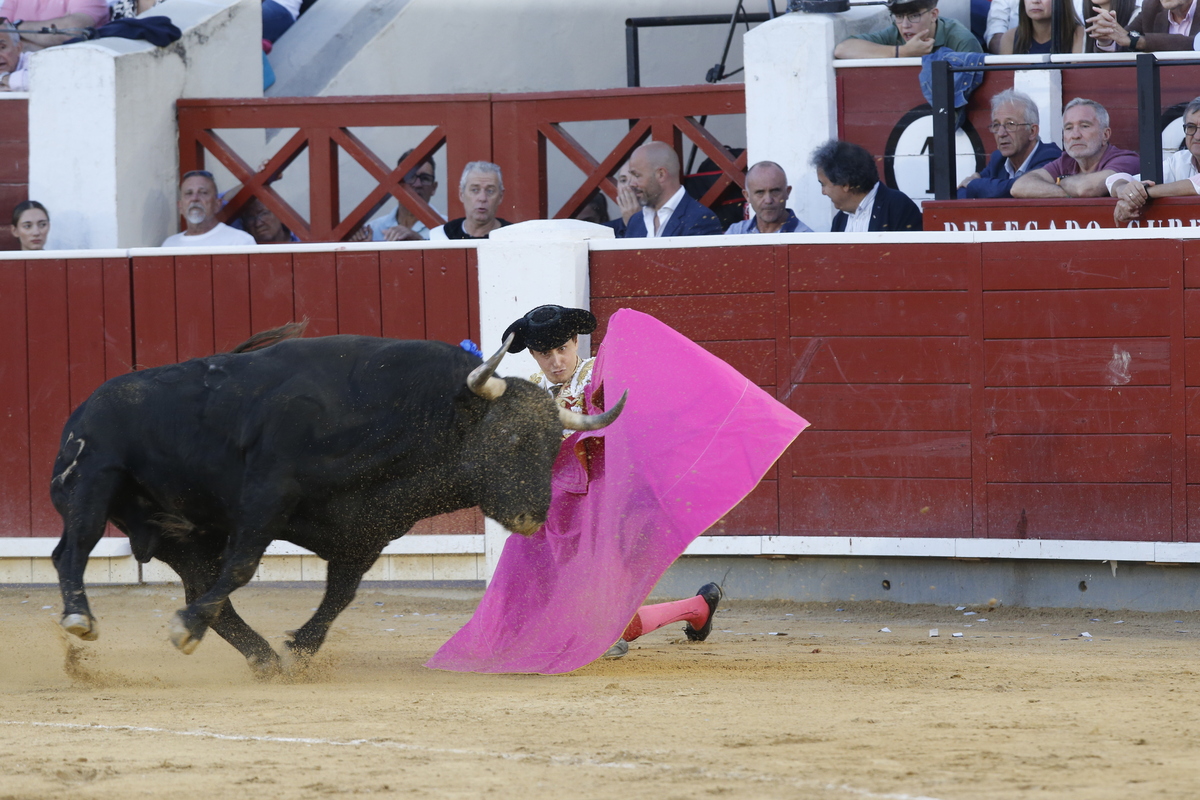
(1087, 161)
(68, 15)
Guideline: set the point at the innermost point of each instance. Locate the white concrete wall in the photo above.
(103, 141)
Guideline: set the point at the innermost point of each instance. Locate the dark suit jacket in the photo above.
(689, 219)
(892, 211)
(994, 180)
(1152, 24)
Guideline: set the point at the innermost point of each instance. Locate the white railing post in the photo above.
(521, 267)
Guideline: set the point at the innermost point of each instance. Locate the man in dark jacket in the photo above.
(667, 210)
(848, 177)
(1019, 150)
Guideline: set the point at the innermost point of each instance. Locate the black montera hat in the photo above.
(548, 327)
(909, 6)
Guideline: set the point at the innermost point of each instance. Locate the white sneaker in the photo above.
(618, 650)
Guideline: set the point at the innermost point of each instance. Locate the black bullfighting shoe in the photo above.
(712, 595)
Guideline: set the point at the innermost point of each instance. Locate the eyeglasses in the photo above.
(420, 177)
(1190, 129)
(911, 19)
(1008, 126)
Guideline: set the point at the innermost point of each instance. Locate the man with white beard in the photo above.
(199, 204)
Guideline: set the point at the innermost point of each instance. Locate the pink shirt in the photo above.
(1183, 28)
(53, 9)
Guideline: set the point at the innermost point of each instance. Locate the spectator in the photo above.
(1123, 11)
(667, 210)
(481, 189)
(199, 203)
(767, 191)
(14, 72)
(1034, 31)
(31, 225)
(1162, 25)
(627, 202)
(1088, 161)
(848, 177)
(916, 31)
(402, 225)
(68, 16)
(277, 17)
(595, 209)
(124, 9)
(1018, 147)
(1181, 174)
(266, 228)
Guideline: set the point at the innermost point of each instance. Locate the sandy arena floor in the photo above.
(783, 700)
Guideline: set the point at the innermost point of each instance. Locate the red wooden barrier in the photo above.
(1049, 214)
(1007, 390)
(14, 161)
(68, 325)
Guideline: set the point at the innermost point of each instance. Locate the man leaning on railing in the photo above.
(1181, 174)
(916, 31)
(1089, 159)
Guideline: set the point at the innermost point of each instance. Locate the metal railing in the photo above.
(1149, 100)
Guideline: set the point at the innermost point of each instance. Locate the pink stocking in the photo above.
(651, 618)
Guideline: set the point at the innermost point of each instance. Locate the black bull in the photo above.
(338, 444)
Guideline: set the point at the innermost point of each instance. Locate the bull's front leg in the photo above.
(341, 584)
(260, 520)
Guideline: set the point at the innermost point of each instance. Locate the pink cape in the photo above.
(695, 437)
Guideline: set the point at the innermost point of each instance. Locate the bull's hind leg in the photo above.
(82, 500)
(341, 584)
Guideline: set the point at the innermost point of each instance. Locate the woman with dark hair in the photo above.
(849, 178)
(1035, 29)
(1123, 11)
(31, 225)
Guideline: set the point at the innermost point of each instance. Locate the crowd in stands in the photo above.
(1028, 27)
(651, 200)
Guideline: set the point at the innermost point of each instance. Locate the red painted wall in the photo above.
(1005, 390)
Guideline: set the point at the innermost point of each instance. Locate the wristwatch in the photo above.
(1134, 38)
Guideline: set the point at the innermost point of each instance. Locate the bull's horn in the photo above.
(481, 381)
(574, 421)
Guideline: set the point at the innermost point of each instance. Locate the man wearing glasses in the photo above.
(917, 31)
(1181, 174)
(1089, 159)
(1018, 148)
(402, 225)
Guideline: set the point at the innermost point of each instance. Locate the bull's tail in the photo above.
(258, 341)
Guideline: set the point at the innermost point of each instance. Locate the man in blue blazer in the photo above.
(667, 210)
(848, 177)
(1019, 150)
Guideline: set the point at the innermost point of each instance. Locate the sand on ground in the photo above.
(787, 700)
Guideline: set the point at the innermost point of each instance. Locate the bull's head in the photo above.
(515, 445)
(484, 383)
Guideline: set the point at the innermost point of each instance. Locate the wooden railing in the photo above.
(511, 130)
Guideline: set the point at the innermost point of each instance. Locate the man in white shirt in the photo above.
(199, 203)
(850, 179)
(1181, 174)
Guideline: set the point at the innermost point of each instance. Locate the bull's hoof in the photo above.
(265, 667)
(81, 625)
(183, 639)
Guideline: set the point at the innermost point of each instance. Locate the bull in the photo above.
(338, 444)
